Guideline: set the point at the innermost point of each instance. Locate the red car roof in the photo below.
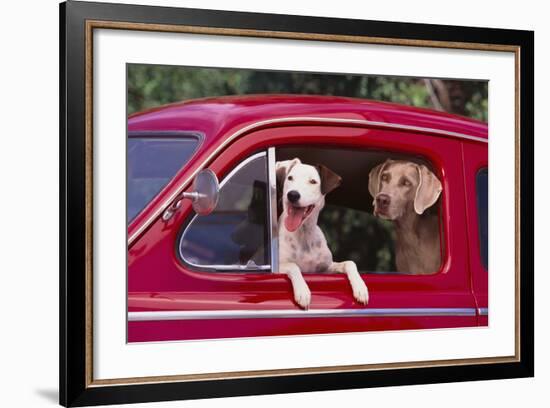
(216, 116)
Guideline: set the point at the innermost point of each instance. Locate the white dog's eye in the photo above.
(290, 178)
(313, 181)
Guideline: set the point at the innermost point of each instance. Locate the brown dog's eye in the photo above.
(405, 183)
(384, 177)
(312, 181)
(290, 178)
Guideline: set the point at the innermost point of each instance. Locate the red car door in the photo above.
(476, 179)
(173, 299)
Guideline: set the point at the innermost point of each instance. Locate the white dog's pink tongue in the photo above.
(294, 217)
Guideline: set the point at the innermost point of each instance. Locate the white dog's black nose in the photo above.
(293, 196)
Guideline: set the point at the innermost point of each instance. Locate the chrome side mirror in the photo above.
(207, 192)
(205, 195)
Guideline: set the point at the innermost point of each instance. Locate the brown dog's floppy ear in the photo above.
(282, 168)
(428, 190)
(329, 179)
(374, 178)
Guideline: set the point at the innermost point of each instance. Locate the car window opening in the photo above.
(482, 193)
(236, 236)
(375, 243)
(152, 163)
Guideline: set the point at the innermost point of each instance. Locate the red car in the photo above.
(194, 276)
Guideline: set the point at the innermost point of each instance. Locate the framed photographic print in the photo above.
(255, 203)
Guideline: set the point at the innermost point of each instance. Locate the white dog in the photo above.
(302, 244)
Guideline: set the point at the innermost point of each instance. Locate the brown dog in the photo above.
(402, 191)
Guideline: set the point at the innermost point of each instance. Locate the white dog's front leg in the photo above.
(360, 291)
(302, 294)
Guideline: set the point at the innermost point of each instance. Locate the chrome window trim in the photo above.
(259, 124)
(273, 222)
(227, 268)
(174, 134)
(295, 313)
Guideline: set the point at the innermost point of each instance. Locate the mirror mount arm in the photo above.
(176, 204)
(193, 196)
(172, 208)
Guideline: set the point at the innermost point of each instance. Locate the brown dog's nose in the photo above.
(383, 201)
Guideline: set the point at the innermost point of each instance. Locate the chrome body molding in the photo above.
(483, 311)
(294, 313)
(282, 121)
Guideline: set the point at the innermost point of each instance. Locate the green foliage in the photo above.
(154, 85)
(477, 105)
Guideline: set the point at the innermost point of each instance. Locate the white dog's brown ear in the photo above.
(282, 168)
(428, 190)
(329, 179)
(374, 178)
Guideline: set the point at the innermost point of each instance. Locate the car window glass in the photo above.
(152, 162)
(235, 235)
(482, 192)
